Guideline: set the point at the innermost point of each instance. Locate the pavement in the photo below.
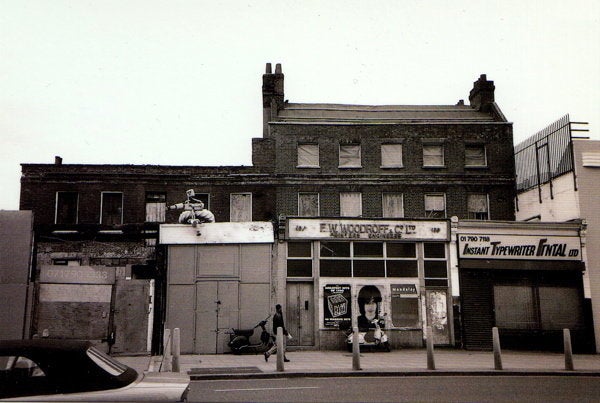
(408, 362)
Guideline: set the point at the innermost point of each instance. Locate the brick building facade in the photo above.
(413, 165)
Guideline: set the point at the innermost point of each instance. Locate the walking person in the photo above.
(277, 322)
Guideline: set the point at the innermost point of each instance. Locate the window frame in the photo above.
(56, 206)
(298, 148)
(383, 204)
(300, 213)
(360, 204)
(231, 205)
(442, 148)
(485, 161)
(351, 164)
(474, 213)
(436, 194)
(399, 164)
(102, 210)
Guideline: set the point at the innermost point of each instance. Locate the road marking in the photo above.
(255, 389)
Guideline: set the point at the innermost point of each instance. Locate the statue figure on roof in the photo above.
(194, 212)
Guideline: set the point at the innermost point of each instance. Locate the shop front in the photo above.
(342, 273)
(525, 279)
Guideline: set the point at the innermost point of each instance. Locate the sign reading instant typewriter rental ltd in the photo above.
(477, 246)
(306, 228)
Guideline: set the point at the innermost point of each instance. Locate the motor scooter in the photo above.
(240, 343)
(372, 339)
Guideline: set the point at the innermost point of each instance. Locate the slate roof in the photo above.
(339, 113)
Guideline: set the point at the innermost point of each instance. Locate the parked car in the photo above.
(64, 370)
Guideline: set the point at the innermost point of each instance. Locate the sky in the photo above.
(179, 82)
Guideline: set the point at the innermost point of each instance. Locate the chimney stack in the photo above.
(482, 95)
(272, 90)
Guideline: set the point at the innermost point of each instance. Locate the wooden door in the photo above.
(131, 309)
(300, 314)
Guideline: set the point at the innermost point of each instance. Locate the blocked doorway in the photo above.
(300, 314)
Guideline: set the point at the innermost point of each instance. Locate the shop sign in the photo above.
(77, 274)
(337, 308)
(526, 247)
(301, 228)
(404, 289)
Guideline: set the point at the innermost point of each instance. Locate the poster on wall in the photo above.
(337, 309)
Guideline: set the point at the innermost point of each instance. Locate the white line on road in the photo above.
(255, 389)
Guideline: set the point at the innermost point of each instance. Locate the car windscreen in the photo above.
(106, 362)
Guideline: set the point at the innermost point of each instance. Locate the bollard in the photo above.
(497, 351)
(568, 350)
(166, 364)
(176, 350)
(355, 350)
(430, 358)
(280, 349)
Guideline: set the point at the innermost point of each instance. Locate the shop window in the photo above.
(308, 156)
(335, 268)
(350, 204)
(350, 156)
(335, 249)
(559, 308)
(477, 206)
(435, 267)
(391, 155)
(240, 207)
(299, 259)
(392, 205)
(111, 210)
(433, 155)
(156, 205)
(308, 204)
(368, 249)
(434, 250)
(368, 268)
(402, 268)
(405, 249)
(66, 207)
(475, 156)
(435, 205)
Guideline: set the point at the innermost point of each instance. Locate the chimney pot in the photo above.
(278, 68)
(57, 160)
(268, 71)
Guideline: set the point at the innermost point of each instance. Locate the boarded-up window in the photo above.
(391, 155)
(308, 204)
(350, 204)
(475, 155)
(155, 207)
(560, 308)
(433, 155)
(308, 155)
(435, 205)
(392, 205)
(477, 206)
(350, 156)
(240, 207)
(66, 207)
(112, 208)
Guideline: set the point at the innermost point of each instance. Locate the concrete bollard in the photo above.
(166, 364)
(568, 350)
(430, 357)
(280, 349)
(497, 350)
(355, 350)
(176, 350)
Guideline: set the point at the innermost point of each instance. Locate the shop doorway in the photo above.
(131, 309)
(437, 315)
(300, 314)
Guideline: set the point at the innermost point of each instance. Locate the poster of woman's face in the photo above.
(369, 300)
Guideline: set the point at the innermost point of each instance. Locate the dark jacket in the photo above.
(278, 322)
